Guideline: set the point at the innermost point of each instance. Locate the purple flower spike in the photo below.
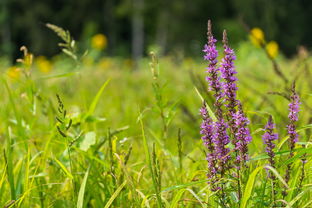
(213, 77)
(268, 138)
(221, 139)
(207, 137)
(293, 117)
(228, 74)
(242, 135)
(291, 129)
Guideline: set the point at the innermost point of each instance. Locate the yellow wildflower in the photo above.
(257, 36)
(99, 41)
(14, 72)
(43, 64)
(272, 49)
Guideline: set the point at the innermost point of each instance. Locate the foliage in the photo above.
(114, 137)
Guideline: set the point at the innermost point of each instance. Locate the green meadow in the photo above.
(98, 131)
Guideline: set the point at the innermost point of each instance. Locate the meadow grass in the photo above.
(104, 135)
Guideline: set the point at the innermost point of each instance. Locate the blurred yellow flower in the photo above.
(257, 36)
(99, 41)
(272, 49)
(43, 64)
(14, 72)
(105, 63)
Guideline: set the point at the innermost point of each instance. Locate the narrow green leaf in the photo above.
(149, 161)
(196, 197)
(68, 74)
(249, 187)
(96, 100)
(211, 114)
(277, 175)
(64, 168)
(176, 198)
(113, 197)
(82, 189)
(183, 185)
(299, 196)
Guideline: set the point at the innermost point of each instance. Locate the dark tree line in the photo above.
(131, 26)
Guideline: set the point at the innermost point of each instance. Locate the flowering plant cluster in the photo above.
(226, 134)
(230, 124)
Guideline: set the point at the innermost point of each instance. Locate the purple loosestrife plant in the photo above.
(268, 138)
(220, 137)
(293, 117)
(228, 74)
(213, 78)
(242, 135)
(293, 108)
(237, 120)
(207, 137)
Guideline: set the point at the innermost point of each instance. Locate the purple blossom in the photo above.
(293, 117)
(268, 138)
(221, 139)
(213, 77)
(207, 132)
(237, 120)
(242, 135)
(228, 74)
(293, 108)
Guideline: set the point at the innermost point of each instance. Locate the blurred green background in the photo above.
(133, 27)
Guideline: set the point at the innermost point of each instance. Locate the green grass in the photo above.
(118, 144)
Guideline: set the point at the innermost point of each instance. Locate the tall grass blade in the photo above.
(211, 114)
(177, 197)
(149, 161)
(82, 189)
(249, 187)
(113, 197)
(96, 99)
(69, 175)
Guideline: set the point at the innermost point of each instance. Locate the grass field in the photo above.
(101, 134)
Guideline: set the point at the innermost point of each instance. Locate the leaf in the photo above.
(176, 199)
(299, 196)
(183, 185)
(211, 114)
(300, 153)
(68, 74)
(277, 175)
(249, 187)
(149, 162)
(64, 168)
(96, 100)
(88, 141)
(82, 189)
(110, 201)
(196, 196)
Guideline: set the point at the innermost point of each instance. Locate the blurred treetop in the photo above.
(132, 27)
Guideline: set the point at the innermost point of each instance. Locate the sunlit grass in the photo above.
(118, 144)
